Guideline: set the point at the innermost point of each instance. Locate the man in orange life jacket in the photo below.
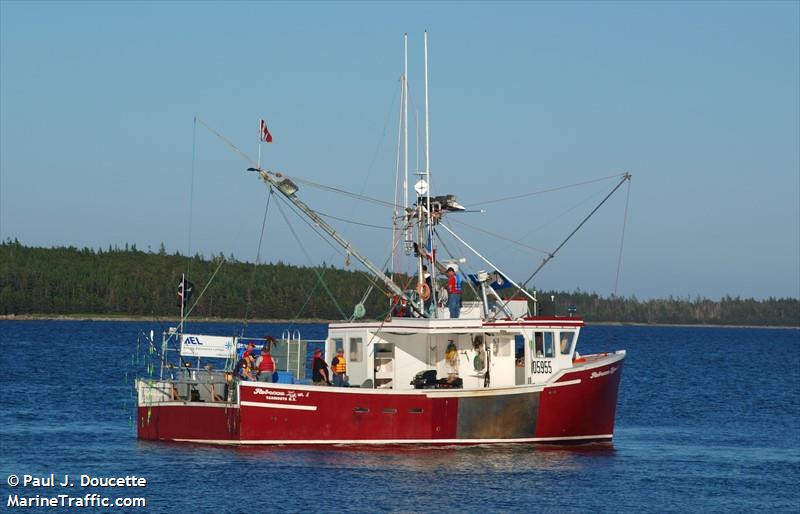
(339, 367)
(453, 293)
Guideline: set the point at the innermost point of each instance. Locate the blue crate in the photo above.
(285, 377)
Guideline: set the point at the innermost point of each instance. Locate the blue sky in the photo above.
(699, 101)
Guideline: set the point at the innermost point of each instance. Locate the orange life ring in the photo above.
(424, 291)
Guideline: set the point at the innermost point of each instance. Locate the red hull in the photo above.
(579, 406)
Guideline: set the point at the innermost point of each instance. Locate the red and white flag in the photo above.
(263, 134)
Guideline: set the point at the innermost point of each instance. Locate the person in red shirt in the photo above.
(453, 293)
(266, 366)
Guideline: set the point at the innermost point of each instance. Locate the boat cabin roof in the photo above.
(463, 326)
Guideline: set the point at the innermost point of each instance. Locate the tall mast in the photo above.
(429, 228)
(427, 133)
(398, 221)
(405, 125)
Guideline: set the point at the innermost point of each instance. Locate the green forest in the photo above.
(130, 282)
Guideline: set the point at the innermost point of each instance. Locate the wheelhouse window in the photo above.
(567, 339)
(543, 346)
(337, 343)
(549, 345)
(356, 349)
(502, 347)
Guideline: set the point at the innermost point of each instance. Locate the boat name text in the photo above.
(609, 371)
(280, 395)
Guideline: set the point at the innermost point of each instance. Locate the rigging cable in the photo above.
(352, 222)
(452, 256)
(622, 237)
(191, 199)
(619, 258)
(337, 190)
(498, 236)
(210, 280)
(255, 264)
(551, 190)
(626, 177)
(328, 241)
(316, 271)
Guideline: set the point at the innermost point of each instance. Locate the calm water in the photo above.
(708, 420)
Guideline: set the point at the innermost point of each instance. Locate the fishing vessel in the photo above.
(502, 368)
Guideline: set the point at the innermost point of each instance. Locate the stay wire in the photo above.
(452, 256)
(210, 280)
(622, 237)
(308, 257)
(626, 176)
(503, 238)
(353, 222)
(191, 199)
(255, 264)
(551, 190)
(336, 249)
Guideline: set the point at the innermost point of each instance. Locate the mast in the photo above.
(405, 127)
(398, 225)
(429, 231)
(183, 300)
(288, 189)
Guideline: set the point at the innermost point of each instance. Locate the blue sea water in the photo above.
(708, 421)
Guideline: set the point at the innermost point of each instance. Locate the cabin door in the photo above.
(384, 365)
(542, 354)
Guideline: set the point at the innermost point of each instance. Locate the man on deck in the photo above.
(339, 368)
(453, 293)
(319, 369)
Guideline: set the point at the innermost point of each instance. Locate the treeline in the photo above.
(697, 311)
(128, 281)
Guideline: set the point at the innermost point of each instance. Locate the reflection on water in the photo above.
(507, 458)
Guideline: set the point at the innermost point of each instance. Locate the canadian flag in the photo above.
(263, 134)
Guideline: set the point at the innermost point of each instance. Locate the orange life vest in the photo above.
(340, 367)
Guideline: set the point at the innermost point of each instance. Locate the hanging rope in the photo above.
(622, 237)
(311, 262)
(255, 264)
(191, 198)
(609, 332)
